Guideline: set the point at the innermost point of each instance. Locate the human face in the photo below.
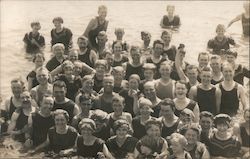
(88, 84)
(180, 90)
(58, 51)
(145, 110)
(149, 92)
(231, 58)
(73, 56)
(85, 106)
(154, 131)
(170, 10)
(42, 77)
(228, 72)
(203, 60)
(119, 35)
(186, 119)
(57, 24)
(100, 69)
(122, 131)
(176, 147)
(102, 40)
(36, 28)
(118, 76)
(117, 48)
(133, 84)
(68, 70)
(206, 77)
(60, 121)
(206, 123)
(110, 59)
(166, 38)
(146, 38)
(222, 127)
(108, 84)
(85, 131)
(136, 56)
(77, 70)
(82, 43)
(247, 116)
(191, 136)
(102, 13)
(117, 106)
(192, 74)
(149, 74)
(59, 93)
(165, 71)
(220, 32)
(47, 105)
(166, 111)
(158, 49)
(26, 99)
(215, 64)
(16, 88)
(39, 61)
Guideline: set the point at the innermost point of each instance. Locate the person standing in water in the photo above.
(96, 25)
(244, 17)
(170, 20)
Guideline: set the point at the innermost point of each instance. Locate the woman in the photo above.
(31, 77)
(196, 149)
(97, 25)
(119, 57)
(89, 146)
(181, 101)
(122, 144)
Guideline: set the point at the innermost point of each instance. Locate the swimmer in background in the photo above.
(244, 17)
(170, 20)
(33, 41)
(119, 33)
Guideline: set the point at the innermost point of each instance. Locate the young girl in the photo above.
(177, 145)
(119, 57)
(33, 41)
(152, 145)
(87, 145)
(122, 144)
(31, 77)
(165, 85)
(222, 143)
(170, 20)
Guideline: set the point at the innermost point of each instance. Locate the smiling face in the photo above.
(58, 51)
(180, 90)
(158, 49)
(108, 84)
(203, 60)
(154, 131)
(145, 110)
(39, 61)
(206, 123)
(59, 93)
(26, 99)
(149, 91)
(16, 88)
(118, 48)
(47, 105)
(82, 43)
(118, 106)
(165, 70)
(215, 64)
(228, 72)
(60, 121)
(122, 131)
(191, 136)
(166, 111)
(42, 76)
(222, 127)
(206, 77)
(102, 12)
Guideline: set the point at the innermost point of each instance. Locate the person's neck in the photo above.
(135, 63)
(60, 101)
(179, 154)
(107, 93)
(118, 83)
(69, 76)
(99, 76)
(228, 81)
(193, 82)
(17, 97)
(45, 114)
(43, 85)
(153, 99)
(101, 45)
(156, 56)
(60, 59)
(88, 139)
(166, 44)
(165, 79)
(117, 114)
(121, 140)
(34, 33)
(83, 49)
(145, 117)
(217, 73)
(169, 118)
(222, 135)
(85, 114)
(206, 86)
(59, 28)
(117, 56)
(181, 99)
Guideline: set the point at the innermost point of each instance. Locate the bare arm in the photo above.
(193, 93)
(88, 69)
(164, 150)
(93, 56)
(234, 20)
(242, 97)
(13, 122)
(196, 114)
(30, 80)
(106, 152)
(218, 99)
(76, 110)
(178, 67)
(56, 71)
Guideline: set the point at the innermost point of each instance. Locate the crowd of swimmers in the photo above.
(118, 100)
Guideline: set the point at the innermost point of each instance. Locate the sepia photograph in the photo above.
(124, 79)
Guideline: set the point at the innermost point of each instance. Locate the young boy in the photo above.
(33, 41)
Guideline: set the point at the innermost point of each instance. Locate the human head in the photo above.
(192, 72)
(222, 122)
(206, 76)
(146, 36)
(134, 81)
(170, 9)
(203, 59)
(187, 116)
(220, 30)
(73, 55)
(17, 86)
(77, 69)
(82, 42)
(109, 57)
(149, 71)
(102, 11)
(158, 46)
(149, 90)
(178, 143)
(135, 54)
(117, 47)
(180, 89)
(100, 117)
(121, 128)
(61, 118)
(215, 63)
(67, 67)
(87, 82)
(145, 106)
(246, 6)
(228, 71)
(101, 67)
(153, 128)
(35, 25)
(167, 108)
(58, 21)
(47, 104)
(59, 90)
(119, 32)
(108, 83)
(118, 103)
(38, 59)
(206, 120)
(87, 127)
(165, 69)
(25, 99)
(191, 133)
(102, 38)
(85, 103)
(42, 75)
(231, 56)
(247, 114)
(166, 36)
(58, 50)
(118, 73)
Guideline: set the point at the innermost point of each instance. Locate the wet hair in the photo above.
(220, 26)
(151, 122)
(207, 115)
(60, 84)
(58, 45)
(158, 42)
(119, 123)
(203, 53)
(35, 23)
(82, 37)
(61, 111)
(86, 122)
(59, 19)
(38, 55)
(168, 102)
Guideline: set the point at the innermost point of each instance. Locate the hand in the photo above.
(134, 94)
(28, 143)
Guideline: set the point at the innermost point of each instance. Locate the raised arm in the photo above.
(234, 20)
(218, 99)
(193, 93)
(178, 67)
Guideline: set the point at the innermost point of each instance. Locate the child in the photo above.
(33, 41)
(170, 20)
(178, 143)
(223, 143)
(152, 145)
(244, 17)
